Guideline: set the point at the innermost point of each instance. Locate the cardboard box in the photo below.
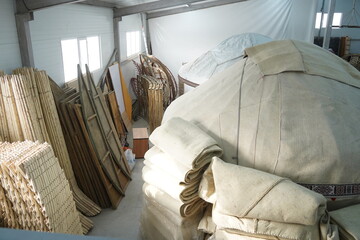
(140, 142)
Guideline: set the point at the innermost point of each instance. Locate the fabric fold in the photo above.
(348, 221)
(284, 201)
(255, 204)
(185, 143)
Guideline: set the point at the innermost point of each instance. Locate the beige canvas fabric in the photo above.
(206, 223)
(250, 193)
(167, 183)
(159, 223)
(225, 235)
(348, 221)
(257, 204)
(290, 109)
(175, 205)
(185, 143)
(175, 168)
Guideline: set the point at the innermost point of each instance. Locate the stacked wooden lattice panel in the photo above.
(34, 193)
(28, 112)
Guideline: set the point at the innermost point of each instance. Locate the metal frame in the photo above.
(191, 7)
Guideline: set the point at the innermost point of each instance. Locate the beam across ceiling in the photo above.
(25, 6)
(99, 3)
(151, 6)
(191, 8)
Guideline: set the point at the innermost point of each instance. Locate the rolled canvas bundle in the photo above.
(289, 108)
(172, 174)
(252, 203)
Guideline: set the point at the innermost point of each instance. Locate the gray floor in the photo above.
(123, 223)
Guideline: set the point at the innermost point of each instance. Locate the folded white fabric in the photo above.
(206, 223)
(185, 143)
(159, 223)
(172, 204)
(253, 203)
(167, 183)
(348, 221)
(175, 168)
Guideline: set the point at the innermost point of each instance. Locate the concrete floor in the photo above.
(123, 223)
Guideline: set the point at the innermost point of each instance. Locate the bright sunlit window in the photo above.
(132, 43)
(80, 51)
(336, 20)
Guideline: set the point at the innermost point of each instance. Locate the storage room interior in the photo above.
(180, 119)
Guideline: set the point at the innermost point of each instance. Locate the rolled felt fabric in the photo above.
(172, 204)
(250, 193)
(167, 163)
(348, 221)
(185, 143)
(170, 185)
(158, 222)
(265, 229)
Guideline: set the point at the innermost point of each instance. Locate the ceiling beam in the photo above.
(191, 8)
(151, 6)
(25, 6)
(99, 3)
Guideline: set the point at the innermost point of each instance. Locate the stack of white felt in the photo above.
(172, 174)
(251, 204)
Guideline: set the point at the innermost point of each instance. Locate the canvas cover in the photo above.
(348, 221)
(254, 203)
(289, 108)
(221, 57)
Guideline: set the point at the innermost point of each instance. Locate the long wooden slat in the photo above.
(114, 195)
(97, 136)
(108, 126)
(79, 160)
(86, 205)
(115, 113)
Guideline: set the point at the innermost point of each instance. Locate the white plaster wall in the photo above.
(51, 25)
(9, 45)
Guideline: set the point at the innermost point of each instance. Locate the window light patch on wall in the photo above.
(336, 20)
(70, 54)
(132, 43)
(80, 51)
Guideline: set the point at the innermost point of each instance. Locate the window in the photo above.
(80, 51)
(336, 20)
(132, 43)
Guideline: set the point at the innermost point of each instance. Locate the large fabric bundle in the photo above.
(291, 109)
(221, 57)
(348, 221)
(172, 174)
(252, 203)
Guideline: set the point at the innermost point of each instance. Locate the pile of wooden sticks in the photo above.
(28, 112)
(34, 192)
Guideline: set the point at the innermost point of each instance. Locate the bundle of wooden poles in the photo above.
(28, 112)
(155, 88)
(96, 153)
(34, 192)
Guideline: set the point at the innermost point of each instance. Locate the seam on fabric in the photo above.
(264, 194)
(280, 123)
(239, 110)
(258, 121)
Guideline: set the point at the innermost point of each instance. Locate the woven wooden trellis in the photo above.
(153, 79)
(34, 192)
(30, 114)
